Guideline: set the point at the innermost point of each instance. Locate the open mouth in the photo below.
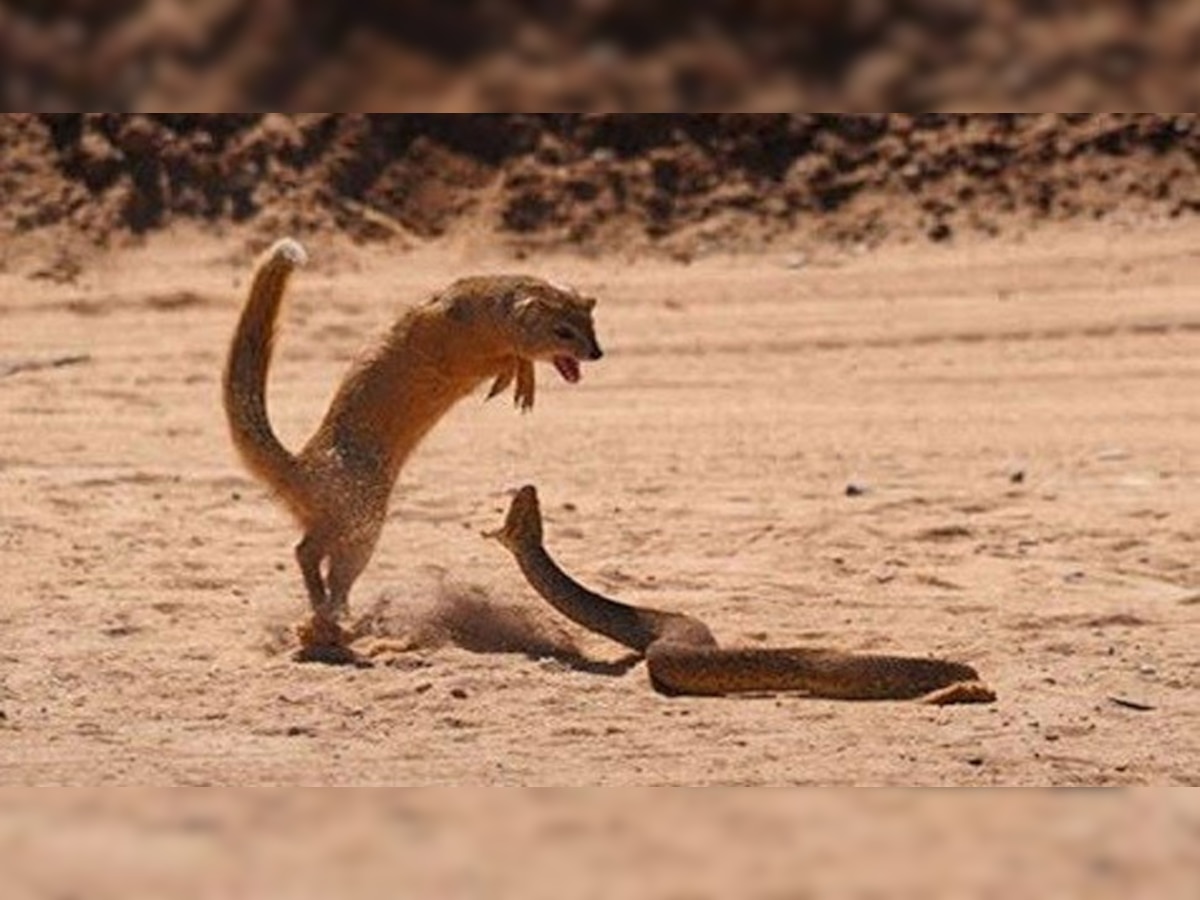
(568, 368)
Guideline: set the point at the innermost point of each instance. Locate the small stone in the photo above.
(855, 489)
(458, 693)
(940, 232)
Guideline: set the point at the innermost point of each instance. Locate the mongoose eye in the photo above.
(562, 332)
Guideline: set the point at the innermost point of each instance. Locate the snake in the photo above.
(683, 658)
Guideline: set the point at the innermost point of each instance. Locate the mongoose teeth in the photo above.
(291, 250)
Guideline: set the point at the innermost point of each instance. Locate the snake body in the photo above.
(683, 657)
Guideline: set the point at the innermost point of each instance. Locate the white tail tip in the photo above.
(289, 249)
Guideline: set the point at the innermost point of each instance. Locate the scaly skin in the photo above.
(683, 657)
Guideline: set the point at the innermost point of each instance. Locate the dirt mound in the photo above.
(685, 184)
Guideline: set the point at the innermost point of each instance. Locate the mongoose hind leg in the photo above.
(322, 637)
(346, 563)
(309, 554)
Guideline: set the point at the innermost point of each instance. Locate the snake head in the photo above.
(523, 525)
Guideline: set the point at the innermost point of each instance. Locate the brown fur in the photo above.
(339, 484)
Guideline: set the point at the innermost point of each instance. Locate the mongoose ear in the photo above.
(523, 305)
(458, 309)
(589, 303)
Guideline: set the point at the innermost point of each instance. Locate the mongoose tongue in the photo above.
(568, 368)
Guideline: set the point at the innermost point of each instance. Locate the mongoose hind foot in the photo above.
(326, 642)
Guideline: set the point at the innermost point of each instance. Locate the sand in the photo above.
(1018, 421)
(617, 843)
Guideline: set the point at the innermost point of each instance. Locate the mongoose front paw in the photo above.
(523, 396)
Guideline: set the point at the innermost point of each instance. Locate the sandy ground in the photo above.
(597, 844)
(1023, 421)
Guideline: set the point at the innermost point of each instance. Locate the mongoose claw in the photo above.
(503, 380)
(523, 396)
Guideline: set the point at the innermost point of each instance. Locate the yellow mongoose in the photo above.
(338, 485)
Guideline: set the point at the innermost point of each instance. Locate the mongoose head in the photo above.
(523, 524)
(553, 324)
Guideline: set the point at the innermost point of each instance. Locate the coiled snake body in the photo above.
(683, 657)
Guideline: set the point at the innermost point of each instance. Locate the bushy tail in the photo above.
(246, 376)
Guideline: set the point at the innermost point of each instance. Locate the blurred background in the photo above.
(492, 55)
(611, 843)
